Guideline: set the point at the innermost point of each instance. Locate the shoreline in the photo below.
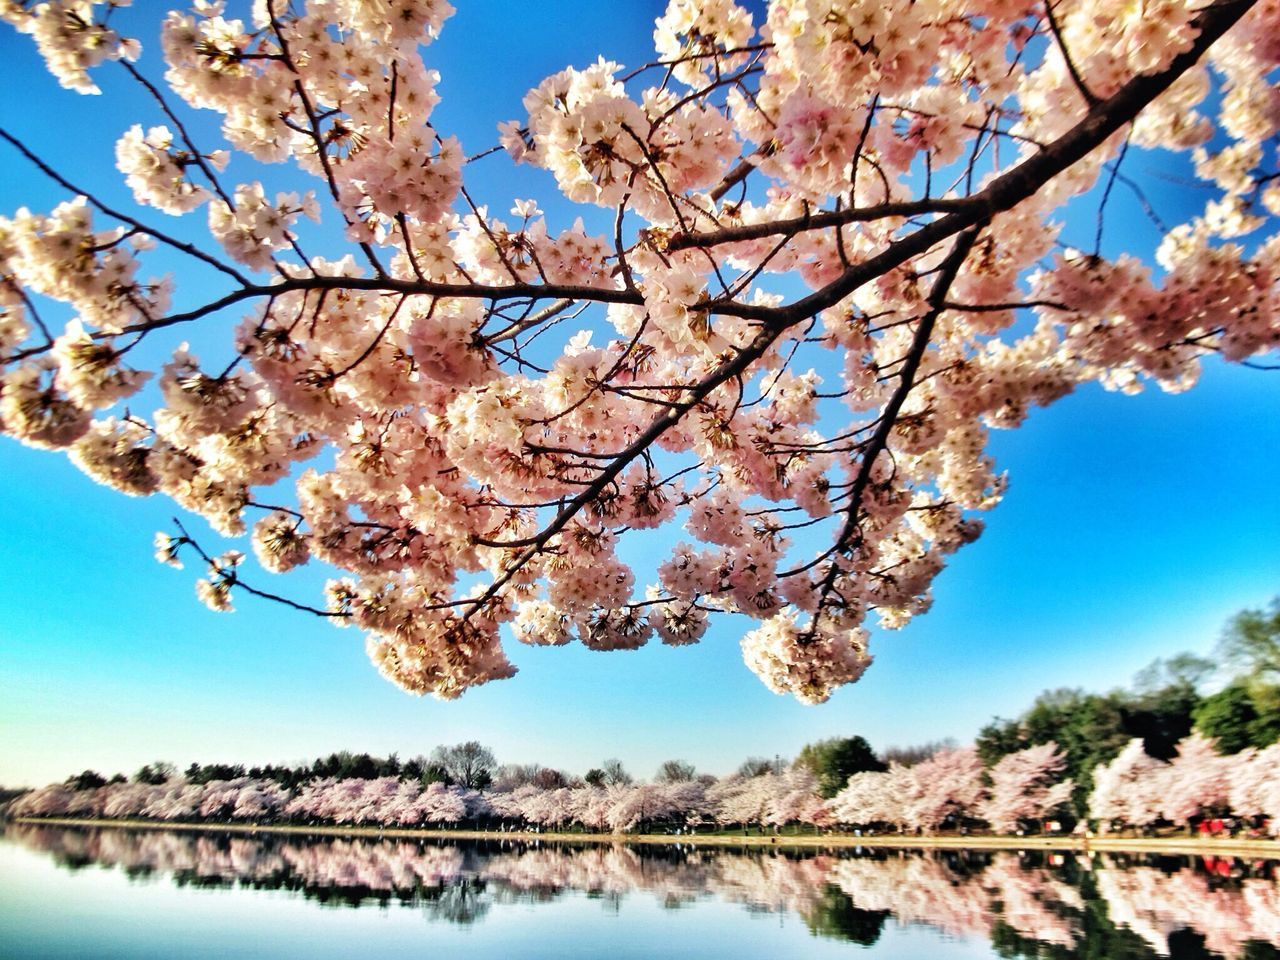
(1185, 846)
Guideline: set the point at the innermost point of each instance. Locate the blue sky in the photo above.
(1133, 528)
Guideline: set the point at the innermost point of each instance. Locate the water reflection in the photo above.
(1041, 905)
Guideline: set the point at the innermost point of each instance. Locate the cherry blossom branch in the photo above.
(318, 140)
(1003, 193)
(468, 442)
(198, 157)
(391, 285)
(164, 238)
(740, 172)
(1022, 182)
(814, 221)
(947, 273)
(1089, 96)
(232, 579)
(1106, 192)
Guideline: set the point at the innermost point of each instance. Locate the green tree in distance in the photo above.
(835, 760)
(1251, 643)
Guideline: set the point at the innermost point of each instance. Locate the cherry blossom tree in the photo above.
(174, 801)
(1254, 785)
(467, 411)
(636, 805)
(260, 800)
(796, 799)
(528, 803)
(743, 800)
(441, 804)
(48, 801)
(871, 797)
(946, 786)
(1026, 785)
(1199, 779)
(311, 800)
(220, 797)
(1131, 788)
(128, 800)
(591, 806)
(923, 797)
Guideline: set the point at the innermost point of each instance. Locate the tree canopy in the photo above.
(1251, 643)
(835, 760)
(811, 259)
(470, 765)
(675, 771)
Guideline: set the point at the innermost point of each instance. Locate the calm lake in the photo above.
(120, 893)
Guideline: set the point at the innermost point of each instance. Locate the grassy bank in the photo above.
(1193, 846)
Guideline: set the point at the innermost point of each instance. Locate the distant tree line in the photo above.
(473, 766)
(1158, 754)
(1165, 705)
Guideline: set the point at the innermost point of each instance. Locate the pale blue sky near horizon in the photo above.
(1134, 527)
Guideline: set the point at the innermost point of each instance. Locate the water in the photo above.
(71, 893)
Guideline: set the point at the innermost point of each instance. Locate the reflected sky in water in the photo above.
(118, 893)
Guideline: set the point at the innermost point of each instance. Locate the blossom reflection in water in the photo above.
(1029, 904)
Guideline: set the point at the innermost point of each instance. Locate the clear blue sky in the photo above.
(1134, 527)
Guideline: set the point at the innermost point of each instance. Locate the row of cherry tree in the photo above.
(769, 799)
(1133, 790)
(950, 789)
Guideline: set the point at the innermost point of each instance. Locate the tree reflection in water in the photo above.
(834, 915)
(1034, 905)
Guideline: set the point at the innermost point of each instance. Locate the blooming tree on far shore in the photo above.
(945, 788)
(819, 257)
(1131, 788)
(947, 791)
(1026, 785)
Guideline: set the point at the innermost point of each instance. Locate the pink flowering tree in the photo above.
(1131, 789)
(128, 799)
(468, 410)
(871, 797)
(632, 805)
(738, 799)
(1026, 786)
(260, 800)
(220, 798)
(54, 800)
(684, 802)
(947, 786)
(1254, 785)
(796, 799)
(590, 807)
(175, 800)
(439, 804)
(311, 801)
(1198, 781)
